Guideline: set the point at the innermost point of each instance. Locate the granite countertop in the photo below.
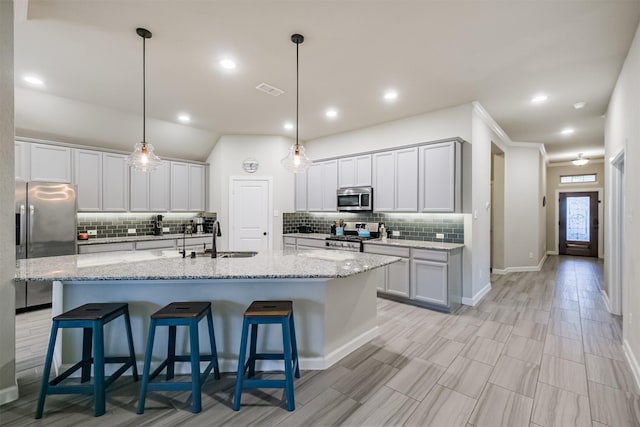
(169, 265)
(418, 244)
(139, 238)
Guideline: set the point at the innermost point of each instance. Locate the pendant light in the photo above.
(296, 160)
(143, 158)
(580, 161)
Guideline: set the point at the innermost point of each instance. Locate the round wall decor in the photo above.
(250, 165)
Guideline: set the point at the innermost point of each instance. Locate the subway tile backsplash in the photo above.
(109, 225)
(412, 226)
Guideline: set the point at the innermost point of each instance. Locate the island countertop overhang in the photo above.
(169, 265)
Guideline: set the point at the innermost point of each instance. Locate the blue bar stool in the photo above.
(172, 315)
(91, 318)
(260, 313)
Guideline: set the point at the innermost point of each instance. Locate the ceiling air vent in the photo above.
(271, 90)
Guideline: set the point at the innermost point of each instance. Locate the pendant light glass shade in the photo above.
(580, 161)
(296, 160)
(143, 158)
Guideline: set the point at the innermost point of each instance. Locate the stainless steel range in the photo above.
(346, 243)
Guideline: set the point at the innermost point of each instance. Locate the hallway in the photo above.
(539, 350)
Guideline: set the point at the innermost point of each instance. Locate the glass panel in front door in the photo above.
(578, 220)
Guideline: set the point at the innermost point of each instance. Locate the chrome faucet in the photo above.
(216, 233)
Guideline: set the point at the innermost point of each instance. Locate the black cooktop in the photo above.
(348, 238)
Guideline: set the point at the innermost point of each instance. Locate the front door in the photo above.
(249, 215)
(578, 234)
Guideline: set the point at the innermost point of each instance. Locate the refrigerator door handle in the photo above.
(32, 210)
(20, 233)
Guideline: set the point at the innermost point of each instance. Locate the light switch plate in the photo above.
(131, 231)
(92, 232)
(165, 229)
(439, 235)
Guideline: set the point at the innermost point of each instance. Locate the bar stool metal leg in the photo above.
(132, 352)
(47, 370)
(147, 366)
(212, 342)
(87, 343)
(195, 366)
(98, 368)
(241, 364)
(288, 374)
(252, 350)
(171, 353)
(294, 345)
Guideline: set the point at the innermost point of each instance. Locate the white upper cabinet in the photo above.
(179, 189)
(406, 177)
(159, 188)
(139, 191)
(440, 177)
(22, 161)
(396, 180)
(196, 188)
(115, 178)
(50, 163)
(300, 201)
(354, 171)
(322, 185)
(88, 178)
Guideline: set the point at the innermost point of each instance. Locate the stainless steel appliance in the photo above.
(345, 243)
(355, 199)
(199, 225)
(157, 225)
(45, 226)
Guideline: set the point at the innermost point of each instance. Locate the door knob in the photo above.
(264, 234)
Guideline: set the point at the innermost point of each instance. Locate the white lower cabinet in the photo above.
(429, 282)
(303, 243)
(289, 242)
(396, 275)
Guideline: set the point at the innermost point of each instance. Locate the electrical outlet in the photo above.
(92, 232)
(131, 231)
(439, 235)
(395, 233)
(165, 229)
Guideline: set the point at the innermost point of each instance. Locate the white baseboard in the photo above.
(633, 362)
(498, 271)
(9, 394)
(231, 365)
(477, 297)
(523, 269)
(552, 252)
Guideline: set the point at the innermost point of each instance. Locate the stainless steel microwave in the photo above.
(355, 199)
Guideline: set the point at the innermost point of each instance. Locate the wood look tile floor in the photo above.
(539, 350)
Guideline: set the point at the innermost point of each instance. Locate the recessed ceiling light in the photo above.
(288, 126)
(331, 113)
(228, 64)
(579, 105)
(184, 118)
(37, 81)
(567, 131)
(390, 95)
(539, 99)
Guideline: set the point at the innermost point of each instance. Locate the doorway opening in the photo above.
(496, 226)
(616, 251)
(579, 224)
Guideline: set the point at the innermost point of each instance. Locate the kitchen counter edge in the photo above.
(418, 244)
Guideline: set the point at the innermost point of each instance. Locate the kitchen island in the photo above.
(333, 294)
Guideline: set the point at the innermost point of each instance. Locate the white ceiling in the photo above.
(436, 54)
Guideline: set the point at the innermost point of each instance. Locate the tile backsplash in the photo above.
(412, 226)
(110, 224)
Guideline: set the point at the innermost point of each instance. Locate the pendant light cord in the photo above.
(144, 92)
(297, 89)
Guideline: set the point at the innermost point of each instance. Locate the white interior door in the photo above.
(249, 208)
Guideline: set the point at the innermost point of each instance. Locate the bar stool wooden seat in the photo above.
(172, 315)
(268, 312)
(91, 318)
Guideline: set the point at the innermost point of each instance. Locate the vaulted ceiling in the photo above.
(435, 54)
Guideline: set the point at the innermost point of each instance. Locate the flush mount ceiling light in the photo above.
(288, 126)
(184, 118)
(296, 160)
(36, 81)
(539, 99)
(331, 113)
(143, 158)
(567, 131)
(580, 161)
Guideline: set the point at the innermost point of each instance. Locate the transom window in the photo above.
(577, 179)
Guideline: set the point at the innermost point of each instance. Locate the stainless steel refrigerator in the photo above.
(45, 226)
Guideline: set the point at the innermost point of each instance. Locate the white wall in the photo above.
(432, 126)
(44, 116)
(8, 386)
(522, 210)
(622, 131)
(226, 160)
